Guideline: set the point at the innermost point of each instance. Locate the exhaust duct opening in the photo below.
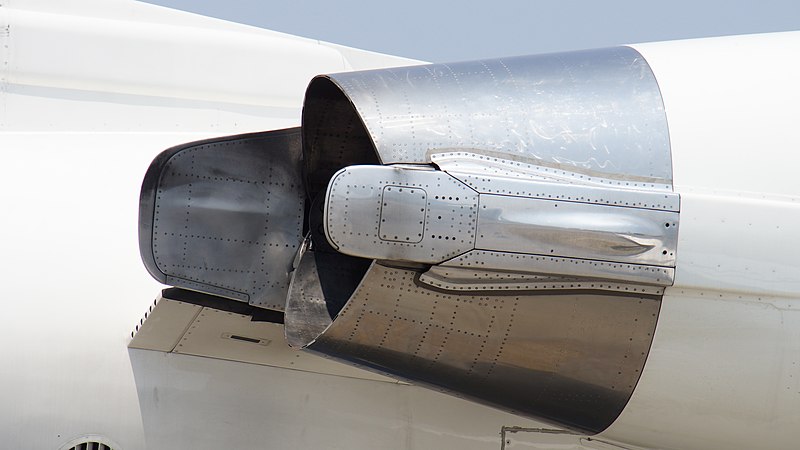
(334, 135)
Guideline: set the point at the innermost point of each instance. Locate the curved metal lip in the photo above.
(330, 78)
(327, 200)
(663, 107)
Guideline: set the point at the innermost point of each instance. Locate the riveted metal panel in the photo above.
(225, 216)
(489, 175)
(593, 112)
(482, 162)
(568, 267)
(570, 358)
(442, 227)
(486, 281)
(426, 216)
(547, 315)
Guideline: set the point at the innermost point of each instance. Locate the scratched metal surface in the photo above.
(568, 358)
(587, 128)
(596, 112)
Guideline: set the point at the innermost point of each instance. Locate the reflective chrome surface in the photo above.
(410, 214)
(577, 230)
(594, 112)
(225, 216)
(400, 214)
(571, 359)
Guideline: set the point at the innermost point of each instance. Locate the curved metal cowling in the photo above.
(596, 112)
(566, 356)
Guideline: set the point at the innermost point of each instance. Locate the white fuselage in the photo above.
(724, 368)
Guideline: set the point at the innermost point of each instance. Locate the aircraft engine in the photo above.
(501, 230)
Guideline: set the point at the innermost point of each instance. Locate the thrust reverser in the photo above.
(501, 230)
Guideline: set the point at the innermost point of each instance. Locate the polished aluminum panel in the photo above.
(571, 192)
(568, 267)
(468, 279)
(225, 216)
(400, 214)
(594, 112)
(577, 230)
(506, 177)
(419, 215)
(509, 166)
(571, 359)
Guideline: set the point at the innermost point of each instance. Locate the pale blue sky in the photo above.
(451, 31)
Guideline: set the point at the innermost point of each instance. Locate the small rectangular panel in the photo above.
(577, 230)
(403, 214)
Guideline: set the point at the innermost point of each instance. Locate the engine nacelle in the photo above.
(522, 223)
(505, 231)
(502, 230)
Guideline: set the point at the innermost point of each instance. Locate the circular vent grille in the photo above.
(90, 442)
(92, 445)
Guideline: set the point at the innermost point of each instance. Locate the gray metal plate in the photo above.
(225, 216)
(306, 310)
